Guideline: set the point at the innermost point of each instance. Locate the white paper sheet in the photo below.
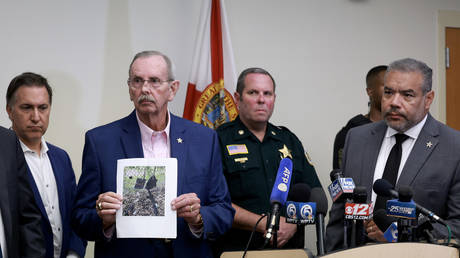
(146, 209)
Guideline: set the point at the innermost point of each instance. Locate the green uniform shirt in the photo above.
(250, 167)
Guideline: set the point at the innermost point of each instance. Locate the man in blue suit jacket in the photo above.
(203, 204)
(50, 172)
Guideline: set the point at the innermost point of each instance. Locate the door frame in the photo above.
(446, 18)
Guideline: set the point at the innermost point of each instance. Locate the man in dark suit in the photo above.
(203, 205)
(20, 234)
(429, 152)
(50, 172)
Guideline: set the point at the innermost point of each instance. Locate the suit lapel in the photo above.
(423, 147)
(178, 142)
(371, 153)
(131, 137)
(58, 176)
(38, 198)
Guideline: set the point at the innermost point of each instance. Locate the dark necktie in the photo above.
(391, 168)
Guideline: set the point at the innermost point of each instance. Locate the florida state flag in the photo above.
(212, 82)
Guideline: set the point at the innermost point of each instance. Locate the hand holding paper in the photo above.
(107, 205)
(188, 207)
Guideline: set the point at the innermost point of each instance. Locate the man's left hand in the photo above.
(188, 207)
(285, 232)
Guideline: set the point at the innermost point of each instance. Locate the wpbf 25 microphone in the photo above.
(278, 197)
(340, 186)
(404, 210)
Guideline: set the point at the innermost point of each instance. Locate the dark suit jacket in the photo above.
(21, 218)
(432, 170)
(65, 182)
(199, 171)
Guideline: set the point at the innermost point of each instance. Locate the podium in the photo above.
(286, 253)
(398, 250)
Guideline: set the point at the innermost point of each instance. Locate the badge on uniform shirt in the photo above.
(241, 160)
(307, 156)
(237, 149)
(285, 152)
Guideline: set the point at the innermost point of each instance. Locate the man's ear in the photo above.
(173, 88)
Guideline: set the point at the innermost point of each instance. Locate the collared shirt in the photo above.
(42, 172)
(157, 144)
(388, 141)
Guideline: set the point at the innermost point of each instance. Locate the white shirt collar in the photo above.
(43, 148)
(413, 132)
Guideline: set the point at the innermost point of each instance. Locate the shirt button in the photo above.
(59, 229)
(47, 185)
(52, 207)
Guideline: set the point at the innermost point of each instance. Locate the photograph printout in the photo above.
(147, 186)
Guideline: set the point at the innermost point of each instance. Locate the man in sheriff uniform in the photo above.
(252, 149)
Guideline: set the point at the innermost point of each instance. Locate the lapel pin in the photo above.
(429, 144)
(179, 140)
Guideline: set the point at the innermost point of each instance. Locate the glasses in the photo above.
(153, 82)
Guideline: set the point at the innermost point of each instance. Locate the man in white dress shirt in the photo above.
(51, 176)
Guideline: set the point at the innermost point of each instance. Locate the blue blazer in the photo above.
(65, 181)
(199, 171)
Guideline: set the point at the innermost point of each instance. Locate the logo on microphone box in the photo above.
(358, 211)
(399, 209)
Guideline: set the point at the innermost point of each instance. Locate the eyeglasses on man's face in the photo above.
(153, 82)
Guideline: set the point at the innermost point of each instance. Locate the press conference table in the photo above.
(390, 250)
(398, 250)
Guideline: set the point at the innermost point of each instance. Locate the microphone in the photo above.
(384, 188)
(299, 210)
(278, 198)
(386, 222)
(358, 211)
(404, 210)
(340, 185)
(319, 197)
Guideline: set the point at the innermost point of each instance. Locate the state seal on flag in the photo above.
(215, 106)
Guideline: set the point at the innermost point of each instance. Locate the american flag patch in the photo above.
(237, 149)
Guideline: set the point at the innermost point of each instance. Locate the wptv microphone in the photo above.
(299, 210)
(278, 199)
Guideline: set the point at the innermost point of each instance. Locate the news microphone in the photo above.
(357, 211)
(340, 186)
(387, 223)
(299, 210)
(319, 197)
(278, 198)
(384, 188)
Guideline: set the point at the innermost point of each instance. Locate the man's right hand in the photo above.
(107, 205)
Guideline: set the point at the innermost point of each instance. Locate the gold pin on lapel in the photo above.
(429, 144)
(179, 140)
(240, 132)
(285, 152)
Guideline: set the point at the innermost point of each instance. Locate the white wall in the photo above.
(317, 51)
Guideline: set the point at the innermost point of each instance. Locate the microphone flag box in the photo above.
(358, 211)
(405, 210)
(391, 234)
(300, 212)
(340, 186)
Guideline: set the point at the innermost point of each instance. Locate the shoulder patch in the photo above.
(307, 156)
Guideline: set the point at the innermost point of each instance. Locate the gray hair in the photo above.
(411, 65)
(148, 53)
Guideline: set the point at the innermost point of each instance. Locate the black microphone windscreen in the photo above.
(405, 193)
(319, 196)
(382, 220)
(300, 192)
(360, 194)
(336, 173)
(382, 187)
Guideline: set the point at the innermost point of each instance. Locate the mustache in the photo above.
(394, 111)
(145, 98)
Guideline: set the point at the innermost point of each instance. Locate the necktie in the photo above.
(391, 168)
